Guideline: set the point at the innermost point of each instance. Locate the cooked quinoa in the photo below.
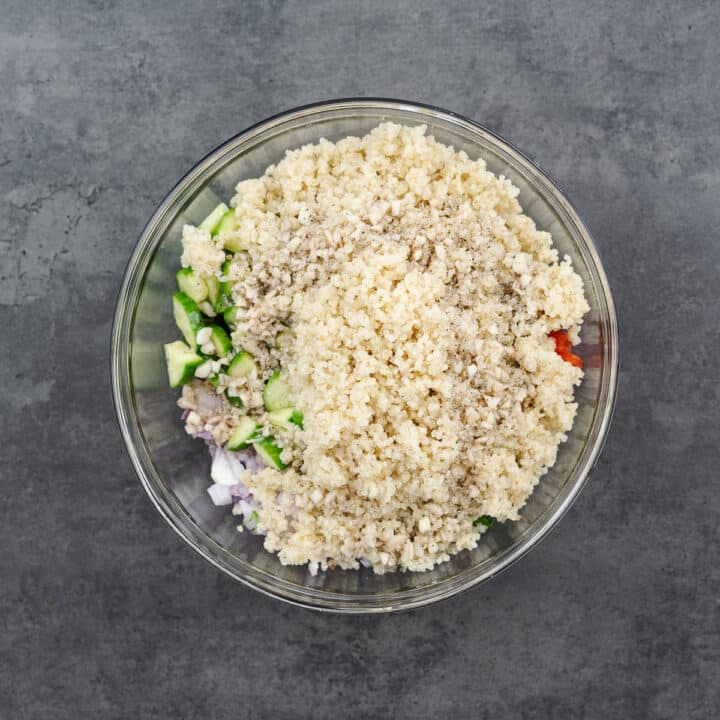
(407, 302)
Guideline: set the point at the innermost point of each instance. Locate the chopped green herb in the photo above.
(253, 521)
(487, 520)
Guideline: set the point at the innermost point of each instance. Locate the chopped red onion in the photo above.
(220, 495)
(228, 489)
(249, 459)
(226, 468)
(240, 492)
(249, 509)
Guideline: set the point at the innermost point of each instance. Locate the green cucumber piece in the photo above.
(230, 316)
(192, 285)
(187, 317)
(269, 452)
(230, 224)
(213, 285)
(213, 220)
(246, 431)
(224, 299)
(285, 418)
(234, 400)
(276, 394)
(242, 365)
(220, 340)
(181, 363)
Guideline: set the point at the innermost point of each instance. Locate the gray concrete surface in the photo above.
(105, 613)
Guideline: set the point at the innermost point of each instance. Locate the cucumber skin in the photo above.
(212, 222)
(193, 361)
(228, 222)
(230, 316)
(220, 340)
(183, 303)
(285, 418)
(247, 439)
(269, 453)
(192, 285)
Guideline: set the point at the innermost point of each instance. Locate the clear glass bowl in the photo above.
(174, 469)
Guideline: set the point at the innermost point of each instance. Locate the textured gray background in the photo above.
(105, 613)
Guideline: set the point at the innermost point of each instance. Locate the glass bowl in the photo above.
(174, 468)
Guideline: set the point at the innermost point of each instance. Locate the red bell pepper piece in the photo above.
(563, 347)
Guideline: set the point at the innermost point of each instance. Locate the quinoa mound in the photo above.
(407, 299)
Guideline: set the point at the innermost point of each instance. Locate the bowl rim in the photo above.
(262, 580)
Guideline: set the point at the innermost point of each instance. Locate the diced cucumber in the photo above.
(220, 340)
(230, 316)
(242, 365)
(187, 317)
(224, 299)
(285, 418)
(213, 285)
(276, 394)
(228, 229)
(181, 363)
(233, 243)
(192, 284)
(245, 432)
(229, 222)
(234, 400)
(213, 220)
(269, 452)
